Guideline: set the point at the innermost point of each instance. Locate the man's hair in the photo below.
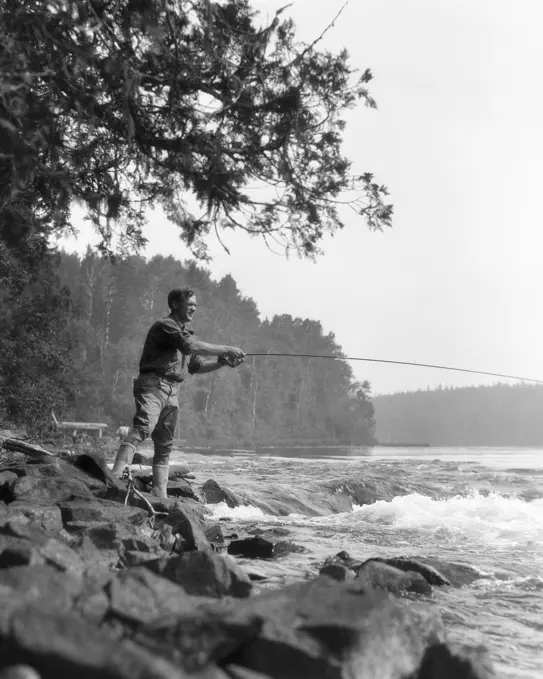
(179, 294)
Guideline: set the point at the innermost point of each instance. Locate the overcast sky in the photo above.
(458, 139)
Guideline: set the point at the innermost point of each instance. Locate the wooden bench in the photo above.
(75, 427)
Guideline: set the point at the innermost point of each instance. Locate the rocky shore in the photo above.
(100, 579)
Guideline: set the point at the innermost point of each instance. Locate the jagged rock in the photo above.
(94, 465)
(365, 492)
(456, 661)
(343, 558)
(48, 516)
(214, 535)
(261, 548)
(186, 523)
(41, 489)
(204, 573)
(140, 596)
(25, 544)
(432, 575)
(43, 584)
(63, 645)
(197, 640)
(379, 575)
(101, 510)
(180, 488)
(323, 629)
(213, 493)
(337, 571)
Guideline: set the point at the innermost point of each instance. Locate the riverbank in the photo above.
(162, 588)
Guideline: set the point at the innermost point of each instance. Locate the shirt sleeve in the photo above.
(180, 338)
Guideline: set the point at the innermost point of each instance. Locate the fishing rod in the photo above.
(382, 360)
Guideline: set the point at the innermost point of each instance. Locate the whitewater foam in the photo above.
(493, 516)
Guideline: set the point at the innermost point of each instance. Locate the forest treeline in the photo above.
(74, 328)
(498, 415)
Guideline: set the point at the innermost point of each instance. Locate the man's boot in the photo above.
(124, 457)
(160, 480)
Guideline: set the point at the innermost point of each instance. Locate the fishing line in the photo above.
(419, 365)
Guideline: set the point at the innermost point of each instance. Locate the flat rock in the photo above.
(40, 489)
(204, 573)
(101, 510)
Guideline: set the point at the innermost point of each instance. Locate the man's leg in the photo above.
(163, 436)
(149, 402)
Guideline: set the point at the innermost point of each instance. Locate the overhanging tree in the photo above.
(127, 104)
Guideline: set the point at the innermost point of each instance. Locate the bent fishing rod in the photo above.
(383, 360)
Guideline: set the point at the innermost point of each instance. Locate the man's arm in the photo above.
(185, 342)
(199, 366)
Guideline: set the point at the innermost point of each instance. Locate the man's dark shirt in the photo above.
(166, 348)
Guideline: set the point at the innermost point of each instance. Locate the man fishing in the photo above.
(169, 353)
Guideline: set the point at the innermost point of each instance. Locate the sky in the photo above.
(458, 140)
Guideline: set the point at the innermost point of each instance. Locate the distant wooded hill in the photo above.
(503, 415)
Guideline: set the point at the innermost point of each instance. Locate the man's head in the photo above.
(182, 302)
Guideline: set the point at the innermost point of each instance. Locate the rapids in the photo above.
(478, 507)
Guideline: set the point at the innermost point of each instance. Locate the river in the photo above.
(478, 506)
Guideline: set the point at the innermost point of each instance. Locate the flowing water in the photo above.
(477, 506)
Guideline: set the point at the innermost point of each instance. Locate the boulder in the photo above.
(197, 639)
(378, 575)
(43, 584)
(431, 574)
(455, 661)
(324, 629)
(252, 548)
(204, 573)
(455, 573)
(139, 596)
(63, 645)
(261, 548)
(213, 493)
(337, 571)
